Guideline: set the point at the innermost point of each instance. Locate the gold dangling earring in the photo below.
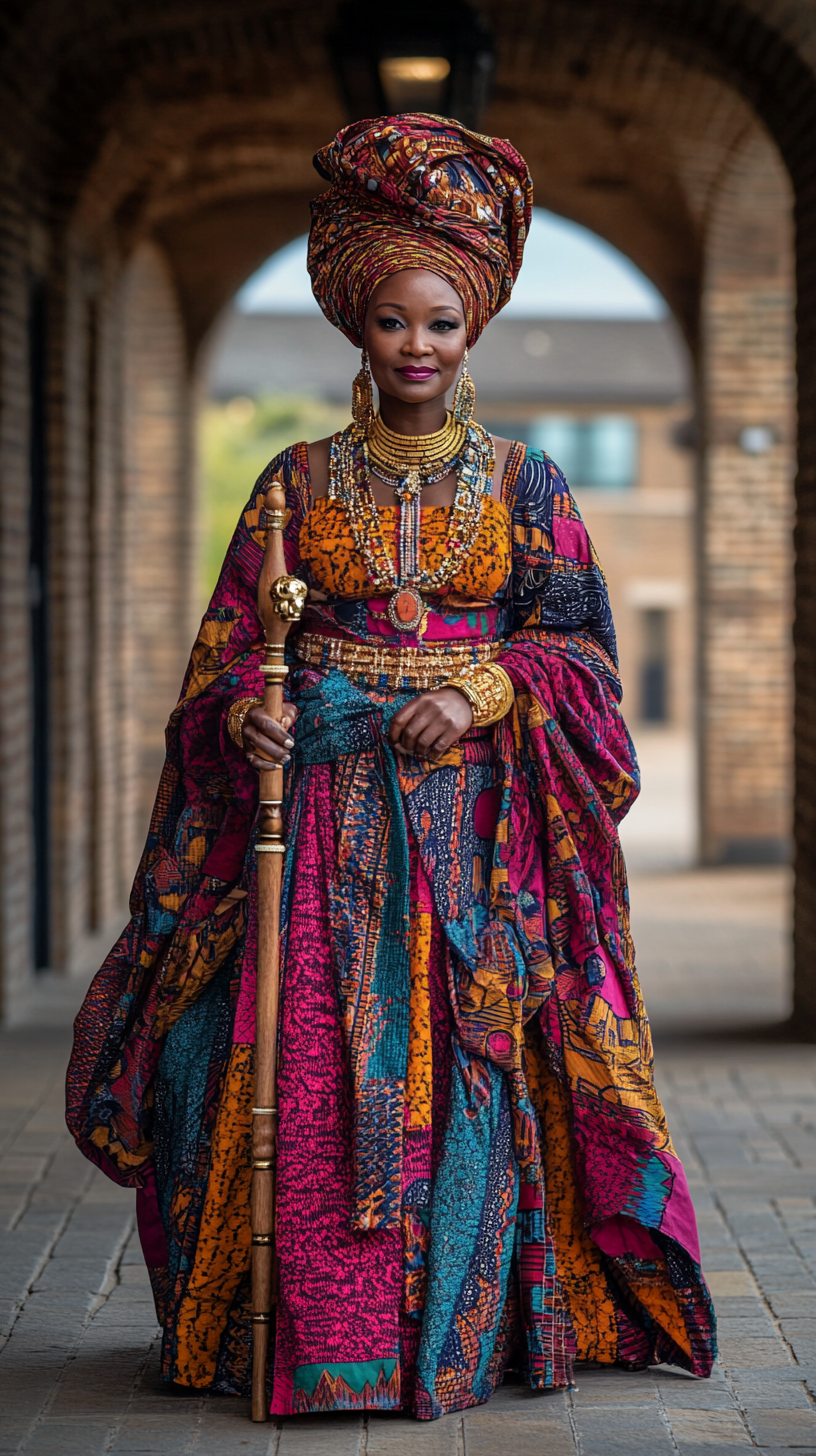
(465, 397)
(362, 398)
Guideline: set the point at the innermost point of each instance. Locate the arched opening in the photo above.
(584, 362)
(605, 381)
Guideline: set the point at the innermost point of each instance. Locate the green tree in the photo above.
(236, 440)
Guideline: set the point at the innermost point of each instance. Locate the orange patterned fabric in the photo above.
(327, 545)
(580, 1263)
(582, 1267)
(419, 1081)
(215, 1300)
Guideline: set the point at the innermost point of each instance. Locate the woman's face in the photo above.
(415, 335)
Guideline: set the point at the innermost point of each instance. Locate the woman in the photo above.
(475, 1173)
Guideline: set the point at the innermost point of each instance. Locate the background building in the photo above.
(611, 401)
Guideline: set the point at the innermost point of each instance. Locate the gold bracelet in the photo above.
(488, 689)
(236, 716)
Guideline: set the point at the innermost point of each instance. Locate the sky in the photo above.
(568, 272)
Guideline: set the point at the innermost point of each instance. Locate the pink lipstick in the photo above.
(416, 372)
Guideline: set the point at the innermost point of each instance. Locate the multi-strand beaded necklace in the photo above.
(407, 463)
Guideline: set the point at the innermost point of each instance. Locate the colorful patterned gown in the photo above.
(475, 1172)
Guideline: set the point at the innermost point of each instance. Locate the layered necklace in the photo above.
(407, 463)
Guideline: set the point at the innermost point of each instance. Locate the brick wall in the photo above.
(746, 512)
(120, 579)
(159, 521)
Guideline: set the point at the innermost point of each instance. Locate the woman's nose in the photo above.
(417, 346)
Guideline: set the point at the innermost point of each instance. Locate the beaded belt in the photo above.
(402, 667)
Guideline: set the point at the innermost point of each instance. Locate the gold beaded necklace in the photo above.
(409, 462)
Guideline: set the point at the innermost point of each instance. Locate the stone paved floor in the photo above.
(78, 1371)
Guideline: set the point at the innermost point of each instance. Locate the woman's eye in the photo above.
(444, 326)
(390, 323)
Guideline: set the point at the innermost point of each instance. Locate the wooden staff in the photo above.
(280, 602)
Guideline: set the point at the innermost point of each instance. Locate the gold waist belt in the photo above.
(402, 667)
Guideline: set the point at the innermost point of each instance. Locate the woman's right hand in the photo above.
(265, 741)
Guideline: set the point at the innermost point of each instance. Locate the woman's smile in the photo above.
(417, 371)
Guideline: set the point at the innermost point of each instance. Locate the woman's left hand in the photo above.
(431, 723)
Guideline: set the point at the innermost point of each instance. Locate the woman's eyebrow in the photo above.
(403, 308)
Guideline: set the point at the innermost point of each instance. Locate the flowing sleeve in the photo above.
(561, 654)
(558, 584)
(558, 882)
(184, 920)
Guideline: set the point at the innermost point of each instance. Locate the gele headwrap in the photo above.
(417, 191)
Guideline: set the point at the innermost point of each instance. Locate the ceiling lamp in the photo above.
(414, 83)
(429, 57)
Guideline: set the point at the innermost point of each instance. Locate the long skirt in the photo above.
(423, 1307)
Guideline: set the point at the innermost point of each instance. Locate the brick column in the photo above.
(746, 513)
(122, 581)
(804, 907)
(160, 529)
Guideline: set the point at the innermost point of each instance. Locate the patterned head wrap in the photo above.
(417, 191)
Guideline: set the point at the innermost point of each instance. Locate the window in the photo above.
(654, 666)
(600, 451)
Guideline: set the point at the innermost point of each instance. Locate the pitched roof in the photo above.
(517, 361)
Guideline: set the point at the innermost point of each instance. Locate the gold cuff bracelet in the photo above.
(488, 689)
(236, 716)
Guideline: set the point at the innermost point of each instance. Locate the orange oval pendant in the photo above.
(405, 606)
(405, 610)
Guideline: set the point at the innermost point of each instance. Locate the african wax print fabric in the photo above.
(417, 191)
(475, 1172)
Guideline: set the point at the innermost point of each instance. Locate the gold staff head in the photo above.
(289, 597)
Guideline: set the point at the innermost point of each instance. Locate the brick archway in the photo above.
(191, 130)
